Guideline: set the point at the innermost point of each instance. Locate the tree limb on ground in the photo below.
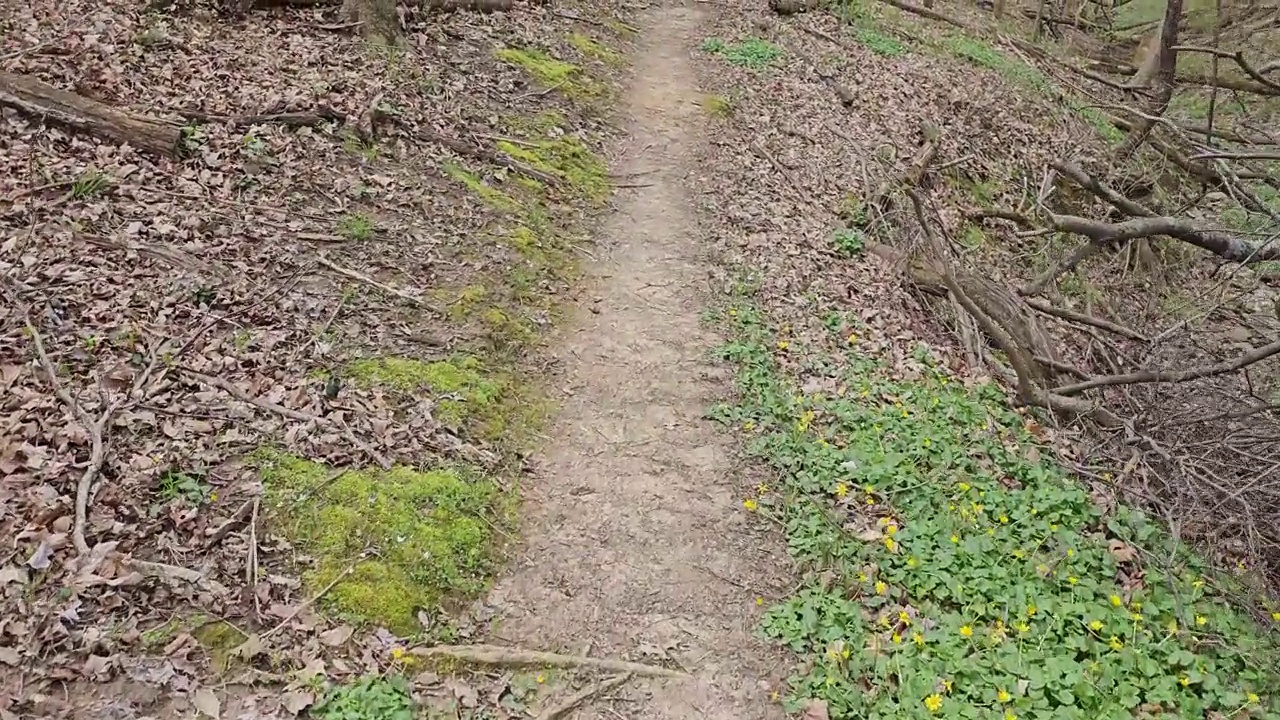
(292, 119)
(926, 12)
(1173, 376)
(794, 7)
(1221, 244)
(516, 657)
(43, 101)
(1238, 57)
(1072, 315)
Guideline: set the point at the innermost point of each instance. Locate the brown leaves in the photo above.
(815, 710)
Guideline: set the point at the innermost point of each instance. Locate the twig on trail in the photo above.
(251, 561)
(624, 186)
(309, 602)
(354, 275)
(515, 657)
(225, 528)
(292, 119)
(554, 712)
(237, 204)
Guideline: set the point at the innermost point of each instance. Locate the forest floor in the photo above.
(555, 331)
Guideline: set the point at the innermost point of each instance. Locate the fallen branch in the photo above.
(554, 712)
(793, 7)
(241, 514)
(1219, 243)
(1083, 319)
(354, 275)
(926, 12)
(309, 602)
(483, 154)
(1238, 57)
(46, 102)
(1066, 265)
(516, 657)
(292, 119)
(1174, 376)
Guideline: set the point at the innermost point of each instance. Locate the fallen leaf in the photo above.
(295, 701)
(1122, 551)
(815, 710)
(207, 702)
(336, 636)
(9, 656)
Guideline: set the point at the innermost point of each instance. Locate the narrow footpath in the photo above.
(635, 544)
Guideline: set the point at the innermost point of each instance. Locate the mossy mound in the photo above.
(552, 73)
(470, 395)
(583, 172)
(592, 48)
(400, 541)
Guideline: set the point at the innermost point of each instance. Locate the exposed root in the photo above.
(516, 657)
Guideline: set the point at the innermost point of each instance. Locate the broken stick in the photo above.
(516, 657)
(556, 711)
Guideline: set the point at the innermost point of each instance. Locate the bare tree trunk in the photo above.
(1167, 61)
(379, 22)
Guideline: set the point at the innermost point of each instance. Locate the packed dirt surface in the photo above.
(636, 542)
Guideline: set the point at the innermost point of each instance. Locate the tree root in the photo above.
(516, 657)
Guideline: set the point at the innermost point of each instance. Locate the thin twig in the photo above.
(310, 601)
(325, 261)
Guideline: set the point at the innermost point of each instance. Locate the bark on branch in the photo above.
(40, 99)
(1219, 243)
(1173, 376)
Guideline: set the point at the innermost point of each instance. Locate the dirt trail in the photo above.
(635, 543)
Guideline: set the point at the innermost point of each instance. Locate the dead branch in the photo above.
(292, 119)
(1270, 86)
(225, 528)
(1219, 243)
(926, 12)
(1174, 376)
(516, 657)
(41, 100)
(793, 7)
(558, 711)
(1064, 266)
(1065, 314)
(354, 275)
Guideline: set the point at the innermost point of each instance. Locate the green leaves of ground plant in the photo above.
(369, 698)
(751, 53)
(957, 572)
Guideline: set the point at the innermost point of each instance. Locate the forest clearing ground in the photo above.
(636, 544)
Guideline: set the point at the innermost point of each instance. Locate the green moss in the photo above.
(219, 639)
(551, 73)
(583, 172)
(492, 197)
(717, 106)
(396, 542)
(471, 393)
(591, 48)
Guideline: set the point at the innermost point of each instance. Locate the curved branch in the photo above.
(1173, 376)
(1219, 243)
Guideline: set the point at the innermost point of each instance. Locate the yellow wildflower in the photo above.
(891, 530)
(890, 544)
(903, 617)
(759, 601)
(841, 490)
(1172, 627)
(1095, 625)
(918, 639)
(881, 588)
(868, 489)
(1072, 579)
(1197, 584)
(1252, 698)
(750, 505)
(947, 685)
(1275, 616)
(1004, 518)
(1184, 681)
(853, 338)
(1031, 610)
(966, 631)
(762, 489)
(897, 639)
(542, 677)
(1115, 643)
(213, 497)
(912, 562)
(748, 426)
(933, 703)
(955, 538)
(1023, 627)
(783, 344)
(1116, 601)
(1003, 696)
(862, 577)
(964, 486)
(397, 653)
(1008, 715)
(991, 531)
(1137, 617)
(774, 696)
(1201, 620)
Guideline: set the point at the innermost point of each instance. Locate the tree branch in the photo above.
(1174, 376)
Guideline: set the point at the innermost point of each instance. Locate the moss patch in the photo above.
(591, 48)
(489, 195)
(552, 73)
(431, 532)
(583, 172)
(717, 106)
(470, 392)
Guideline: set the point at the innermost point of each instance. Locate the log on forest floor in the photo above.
(39, 99)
